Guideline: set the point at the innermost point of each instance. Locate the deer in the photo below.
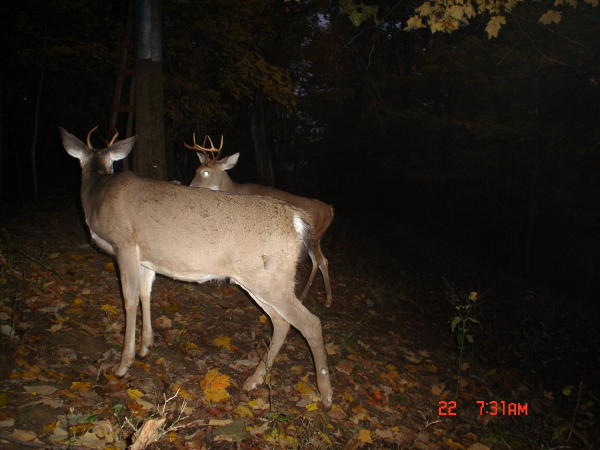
(212, 174)
(196, 235)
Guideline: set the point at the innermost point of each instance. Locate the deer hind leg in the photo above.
(313, 271)
(324, 268)
(129, 269)
(309, 325)
(318, 260)
(146, 280)
(280, 331)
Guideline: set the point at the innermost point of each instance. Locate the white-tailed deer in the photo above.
(211, 174)
(196, 235)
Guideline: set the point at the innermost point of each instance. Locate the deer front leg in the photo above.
(280, 331)
(129, 268)
(146, 280)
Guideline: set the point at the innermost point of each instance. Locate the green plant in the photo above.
(464, 322)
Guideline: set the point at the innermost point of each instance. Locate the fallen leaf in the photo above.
(258, 403)
(233, 432)
(80, 386)
(332, 349)
(214, 385)
(260, 429)
(224, 341)
(307, 391)
(109, 266)
(23, 435)
(162, 323)
(134, 394)
(437, 388)
(243, 411)
(7, 423)
(110, 309)
(364, 436)
(219, 422)
(41, 389)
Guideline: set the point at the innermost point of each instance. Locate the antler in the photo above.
(209, 152)
(114, 138)
(89, 136)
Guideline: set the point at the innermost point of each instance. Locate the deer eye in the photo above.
(205, 173)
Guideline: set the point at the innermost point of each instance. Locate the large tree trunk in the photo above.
(264, 164)
(149, 158)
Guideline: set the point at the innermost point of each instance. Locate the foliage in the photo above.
(448, 16)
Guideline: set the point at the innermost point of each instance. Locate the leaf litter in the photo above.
(62, 329)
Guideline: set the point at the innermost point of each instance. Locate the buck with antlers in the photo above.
(212, 175)
(196, 235)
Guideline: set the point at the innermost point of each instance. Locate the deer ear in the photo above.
(119, 150)
(230, 161)
(72, 145)
(201, 157)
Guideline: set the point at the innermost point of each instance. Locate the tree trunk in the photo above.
(264, 164)
(150, 158)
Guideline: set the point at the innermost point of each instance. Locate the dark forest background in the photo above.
(494, 144)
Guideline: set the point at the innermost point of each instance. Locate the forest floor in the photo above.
(398, 377)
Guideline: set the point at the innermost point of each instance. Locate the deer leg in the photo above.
(280, 331)
(313, 271)
(309, 325)
(129, 268)
(146, 280)
(324, 268)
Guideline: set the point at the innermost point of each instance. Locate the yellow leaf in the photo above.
(263, 318)
(551, 16)
(425, 9)
(134, 394)
(214, 385)
(454, 445)
(186, 394)
(77, 301)
(365, 436)
(493, 26)
(414, 23)
(456, 11)
(109, 266)
(80, 386)
(223, 341)
(76, 257)
(307, 391)
(243, 411)
(332, 349)
(259, 403)
(110, 309)
(312, 406)
(172, 436)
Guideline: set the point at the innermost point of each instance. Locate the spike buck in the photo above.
(212, 175)
(196, 235)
